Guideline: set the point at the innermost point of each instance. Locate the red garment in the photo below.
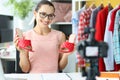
(116, 67)
(100, 30)
(111, 28)
(84, 22)
(81, 61)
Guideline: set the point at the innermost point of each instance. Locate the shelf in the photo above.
(62, 23)
(84, 0)
(63, 1)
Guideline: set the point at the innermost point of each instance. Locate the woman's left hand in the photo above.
(68, 46)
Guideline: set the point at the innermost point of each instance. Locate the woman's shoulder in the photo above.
(60, 35)
(57, 32)
(28, 33)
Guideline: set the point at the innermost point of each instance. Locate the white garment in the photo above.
(109, 60)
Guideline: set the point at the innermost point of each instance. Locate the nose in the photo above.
(46, 18)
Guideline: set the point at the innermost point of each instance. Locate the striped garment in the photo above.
(116, 38)
(84, 21)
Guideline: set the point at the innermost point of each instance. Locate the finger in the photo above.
(67, 40)
(15, 40)
(16, 36)
(72, 38)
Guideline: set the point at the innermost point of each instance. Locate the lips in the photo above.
(45, 23)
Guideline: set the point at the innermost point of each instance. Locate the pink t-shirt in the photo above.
(45, 57)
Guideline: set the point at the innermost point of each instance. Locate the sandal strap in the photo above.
(24, 44)
(67, 45)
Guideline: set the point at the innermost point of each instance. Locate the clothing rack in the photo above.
(105, 3)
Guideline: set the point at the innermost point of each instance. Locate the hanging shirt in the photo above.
(109, 60)
(75, 20)
(100, 30)
(116, 38)
(75, 24)
(111, 28)
(94, 15)
(84, 21)
(45, 57)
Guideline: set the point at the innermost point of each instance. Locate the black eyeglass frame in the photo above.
(44, 15)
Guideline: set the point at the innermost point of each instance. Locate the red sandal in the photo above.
(68, 46)
(25, 44)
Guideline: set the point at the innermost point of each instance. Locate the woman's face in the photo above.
(45, 15)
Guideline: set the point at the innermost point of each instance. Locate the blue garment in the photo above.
(94, 16)
(75, 24)
(116, 38)
(75, 20)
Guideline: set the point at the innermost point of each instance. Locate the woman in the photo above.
(45, 41)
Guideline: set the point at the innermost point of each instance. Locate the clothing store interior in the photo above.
(90, 49)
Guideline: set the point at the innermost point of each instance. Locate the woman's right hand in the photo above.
(16, 45)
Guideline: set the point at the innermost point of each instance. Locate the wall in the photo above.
(105, 2)
(7, 10)
(3, 9)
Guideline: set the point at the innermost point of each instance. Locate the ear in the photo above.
(35, 13)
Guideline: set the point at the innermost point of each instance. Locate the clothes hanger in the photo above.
(86, 6)
(93, 6)
(109, 5)
(102, 4)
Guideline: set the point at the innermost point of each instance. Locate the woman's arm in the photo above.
(63, 61)
(63, 57)
(24, 56)
(24, 61)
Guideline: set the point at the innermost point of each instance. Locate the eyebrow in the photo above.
(45, 12)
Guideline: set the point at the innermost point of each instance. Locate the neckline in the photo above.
(42, 35)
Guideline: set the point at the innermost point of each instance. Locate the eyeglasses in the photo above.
(44, 15)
